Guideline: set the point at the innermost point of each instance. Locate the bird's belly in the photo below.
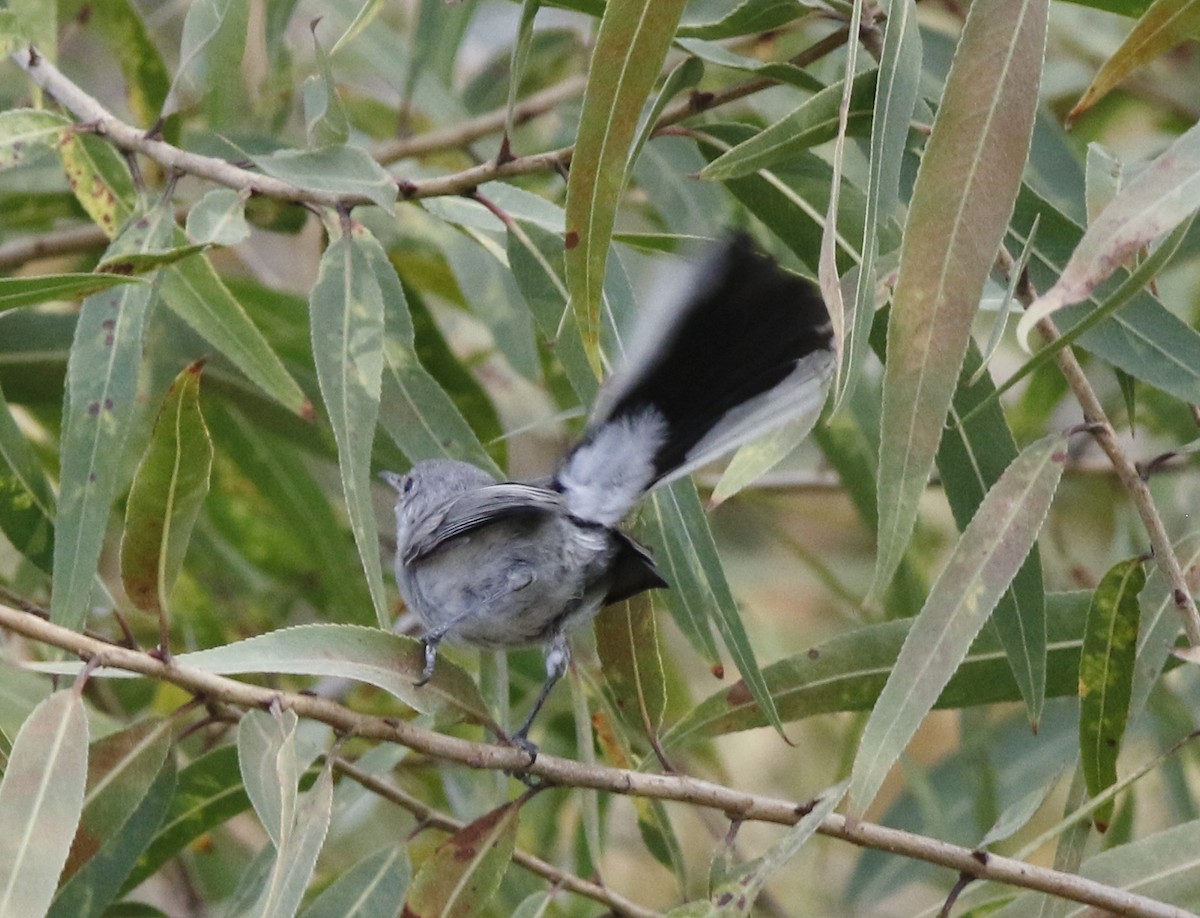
(510, 586)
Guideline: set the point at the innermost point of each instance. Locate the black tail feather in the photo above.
(744, 328)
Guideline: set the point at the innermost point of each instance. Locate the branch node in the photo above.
(506, 154)
(700, 101)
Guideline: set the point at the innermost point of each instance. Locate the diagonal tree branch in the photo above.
(735, 804)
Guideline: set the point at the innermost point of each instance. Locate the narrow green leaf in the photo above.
(630, 47)
(102, 373)
(1017, 814)
(121, 768)
(488, 289)
(42, 788)
(971, 457)
(416, 411)
(736, 895)
(964, 194)
(194, 292)
(748, 17)
(219, 218)
(828, 274)
(1164, 865)
(755, 459)
(685, 75)
(29, 291)
(631, 661)
(536, 257)
(520, 57)
(208, 793)
(420, 417)
(296, 857)
(143, 262)
(168, 490)
(848, 672)
(26, 502)
(814, 122)
(983, 564)
(214, 37)
(464, 871)
(1143, 338)
(369, 889)
(700, 595)
(1160, 625)
(392, 662)
(1068, 855)
(1164, 25)
(788, 74)
(26, 133)
(286, 482)
(271, 768)
(365, 16)
(346, 308)
(90, 891)
(1106, 671)
(325, 119)
(99, 180)
(337, 169)
(792, 200)
(121, 24)
(1154, 202)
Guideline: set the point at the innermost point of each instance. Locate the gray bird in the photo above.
(744, 346)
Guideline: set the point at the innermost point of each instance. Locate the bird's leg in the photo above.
(429, 643)
(558, 656)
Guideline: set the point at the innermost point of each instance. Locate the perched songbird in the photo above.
(744, 347)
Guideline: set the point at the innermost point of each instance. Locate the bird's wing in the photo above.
(632, 570)
(477, 508)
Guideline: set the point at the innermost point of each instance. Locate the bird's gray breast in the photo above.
(514, 582)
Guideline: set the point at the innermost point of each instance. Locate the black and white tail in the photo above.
(745, 348)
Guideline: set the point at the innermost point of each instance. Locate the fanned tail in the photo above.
(746, 348)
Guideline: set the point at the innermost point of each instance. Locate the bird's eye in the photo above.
(407, 485)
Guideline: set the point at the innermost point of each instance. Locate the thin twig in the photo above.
(460, 135)
(1105, 435)
(686, 108)
(734, 803)
(67, 241)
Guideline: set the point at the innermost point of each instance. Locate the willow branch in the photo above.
(134, 140)
(67, 241)
(735, 804)
(467, 132)
(124, 136)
